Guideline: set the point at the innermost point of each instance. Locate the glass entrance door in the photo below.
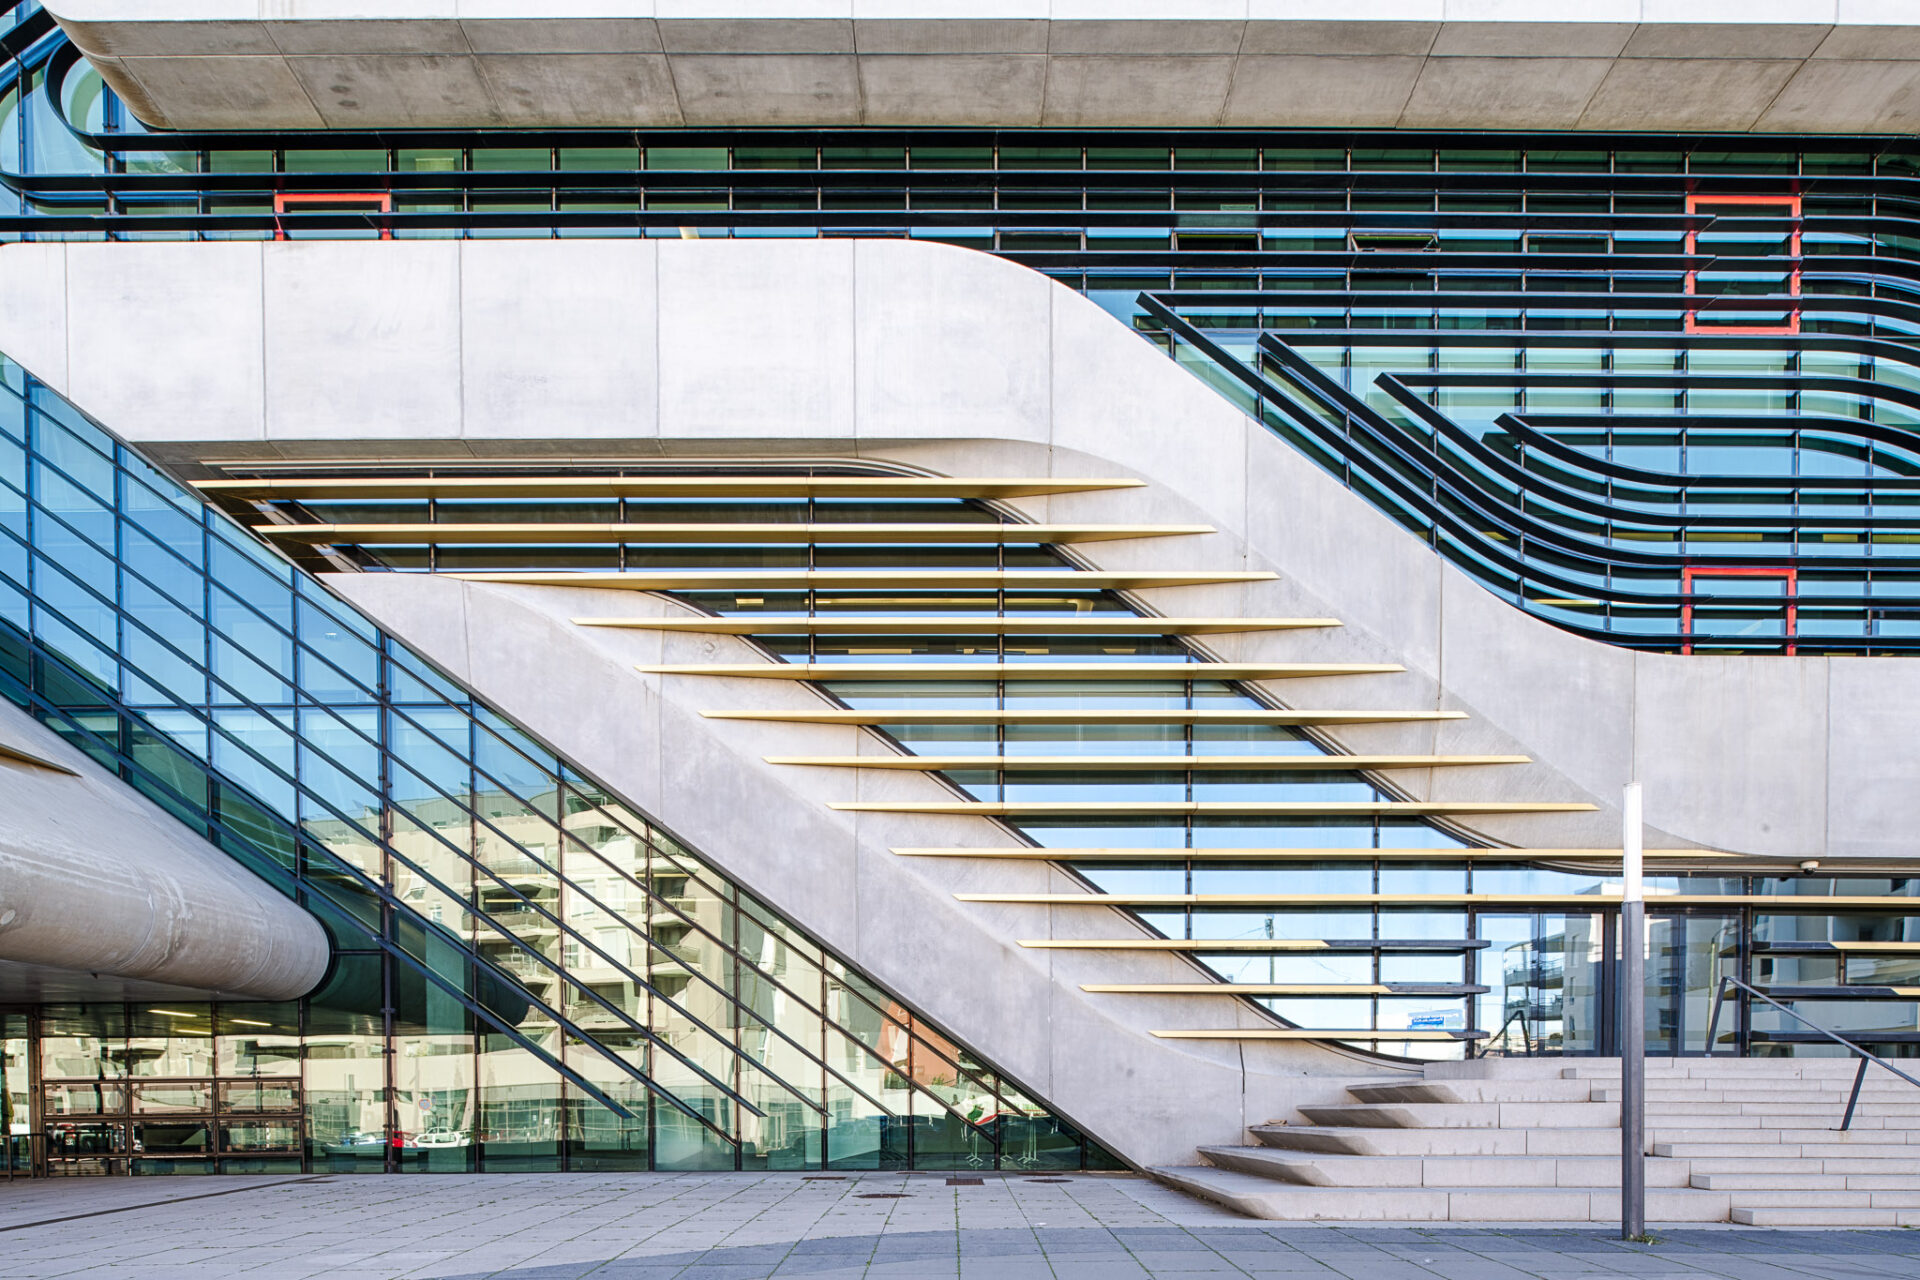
(16, 1095)
(1542, 972)
(1686, 954)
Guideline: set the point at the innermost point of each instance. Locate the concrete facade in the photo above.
(942, 360)
(932, 360)
(104, 896)
(1769, 66)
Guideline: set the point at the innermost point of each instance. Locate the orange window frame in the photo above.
(1786, 573)
(382, 202)
(1700, 204)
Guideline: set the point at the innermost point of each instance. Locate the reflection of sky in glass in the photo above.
(1547, 387)
(210, 653)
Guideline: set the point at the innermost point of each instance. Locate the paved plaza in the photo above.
(744, 1226)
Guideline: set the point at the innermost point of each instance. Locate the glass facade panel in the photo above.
(16, 1092)
(533, 976)
(1616, 301)
(530, 974)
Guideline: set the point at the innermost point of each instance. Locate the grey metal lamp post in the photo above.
(1633, 1023)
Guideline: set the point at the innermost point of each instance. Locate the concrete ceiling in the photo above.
(1767, 66)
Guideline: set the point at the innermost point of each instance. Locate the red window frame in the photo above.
(1792, 205)
(1785, 573)
(382, 202)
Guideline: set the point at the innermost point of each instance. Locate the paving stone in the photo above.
(728, 1226)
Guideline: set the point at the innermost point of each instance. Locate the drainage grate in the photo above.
(883, 1195)
(1049, 1179)
(825, 1177)
(966, 1182)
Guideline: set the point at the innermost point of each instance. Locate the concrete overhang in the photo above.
(104, 896)
(1763, 66)
(956, 363)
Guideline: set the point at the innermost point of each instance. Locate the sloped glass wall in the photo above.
(529, 973)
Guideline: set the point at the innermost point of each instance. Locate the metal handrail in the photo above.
(1859, 1077)
(1526, 1032)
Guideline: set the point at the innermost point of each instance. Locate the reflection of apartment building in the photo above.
(713, 634)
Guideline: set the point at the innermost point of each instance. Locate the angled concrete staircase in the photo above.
(1753, 1141)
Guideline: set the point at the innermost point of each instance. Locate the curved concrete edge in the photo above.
(834, 873)
(1823, 66)
(103, 895)
(960, 363)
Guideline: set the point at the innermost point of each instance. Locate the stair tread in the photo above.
(1781, 1217)
(1409, 1115)
(1357, 1156)
(1265, 1198)
(1253, 1181)
(1438, 1141)
(1474, 1091)
(1440, 1171)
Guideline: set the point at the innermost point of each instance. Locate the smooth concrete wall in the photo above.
(1773, 66)
(103, 895)
(957, 362)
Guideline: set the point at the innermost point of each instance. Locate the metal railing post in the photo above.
(1713, 1019)
(1853, 1099)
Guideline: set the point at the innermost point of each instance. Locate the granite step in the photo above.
(1711, 1147)
(1787, 1165)
(1469, 1115)
(1751, 1136)
(1769, 1180)
(1479, 1091)
(1764, 1217)
(1828, 1108)
(1845, 1141)
(1743, 1140)
(1264, 1198)
(1438, 1142)
(1334, 1170)
(1724, 1068)
(1888, 1162)
(1816, 1098)
(1753, 1198)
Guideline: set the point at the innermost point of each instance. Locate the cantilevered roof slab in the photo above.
(1766, 66)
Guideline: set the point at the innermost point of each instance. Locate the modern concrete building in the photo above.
(702, 585)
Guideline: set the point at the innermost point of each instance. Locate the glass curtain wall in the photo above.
(529, 972)
(1525, 982)
(16, 1091)
(1656, 389)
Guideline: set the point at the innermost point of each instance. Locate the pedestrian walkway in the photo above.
(872, 1226)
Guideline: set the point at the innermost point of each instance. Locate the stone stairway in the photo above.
(1753, 1141)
